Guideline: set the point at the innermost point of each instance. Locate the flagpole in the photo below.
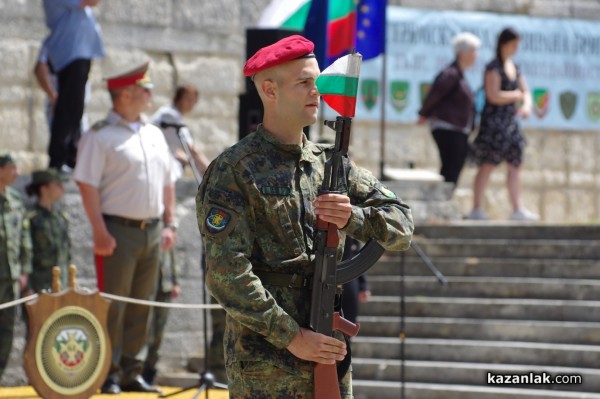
(382, 118)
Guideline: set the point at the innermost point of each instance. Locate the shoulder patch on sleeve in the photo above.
(385, 191)
(99, 125)
(219, 221)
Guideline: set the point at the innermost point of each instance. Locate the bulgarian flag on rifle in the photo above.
(338, 84)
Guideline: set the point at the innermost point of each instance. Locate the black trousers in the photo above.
(66, 124)
(453, 147)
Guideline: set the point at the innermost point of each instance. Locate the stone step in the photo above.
(568, 332)
(486, 266)
(367, 389)
(511, 248)
(491, 287)
(479, 308)
(508, 230)
(578, 379)
(477, 351)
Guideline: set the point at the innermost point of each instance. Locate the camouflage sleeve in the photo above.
(226, 221)
(25, 250)
(377, 212)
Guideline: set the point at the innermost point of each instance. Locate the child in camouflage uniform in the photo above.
(49, 230)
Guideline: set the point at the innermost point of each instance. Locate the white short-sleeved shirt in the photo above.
(130, 164)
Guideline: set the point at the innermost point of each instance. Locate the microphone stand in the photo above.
(207, 378)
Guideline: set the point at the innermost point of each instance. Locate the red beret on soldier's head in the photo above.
(287, 49)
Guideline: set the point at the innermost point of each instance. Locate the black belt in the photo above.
(137, 223)
(284, 279)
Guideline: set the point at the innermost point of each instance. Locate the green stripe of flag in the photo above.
(297, 20)
(336, 84)
(340, 8)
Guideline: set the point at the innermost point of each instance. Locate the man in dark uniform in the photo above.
(127, 183)
(15, 252)
(257, 209)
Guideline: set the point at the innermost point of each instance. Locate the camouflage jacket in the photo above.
(51, 247)
(15, 243)
(255, 213)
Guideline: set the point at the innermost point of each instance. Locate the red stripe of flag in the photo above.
(341, 33)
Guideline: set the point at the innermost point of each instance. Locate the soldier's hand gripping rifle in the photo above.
(328, 273)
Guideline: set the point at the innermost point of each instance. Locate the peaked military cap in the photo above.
(287, 49)
(137, 76)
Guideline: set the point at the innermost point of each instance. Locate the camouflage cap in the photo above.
(47, 176)
(6, 159)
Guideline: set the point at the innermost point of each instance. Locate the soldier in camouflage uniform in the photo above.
(15, 253)
(257, 209)
(49, 230)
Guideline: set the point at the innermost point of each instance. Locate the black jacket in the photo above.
(450, 98)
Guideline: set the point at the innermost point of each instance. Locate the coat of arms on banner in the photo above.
(68, 351)
(369, 90)
(399, 94)
(593, 108)
(424, 90)
(568, 102)
(541, 100)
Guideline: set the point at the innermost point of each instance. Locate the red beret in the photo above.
(287, 49)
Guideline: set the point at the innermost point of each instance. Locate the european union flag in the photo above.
(370, 32)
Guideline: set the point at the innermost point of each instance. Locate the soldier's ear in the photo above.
(269, 89)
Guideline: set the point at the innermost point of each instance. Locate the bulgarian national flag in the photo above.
(338, 84)
(285, 14)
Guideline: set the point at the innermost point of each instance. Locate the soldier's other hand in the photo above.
(333, 208)
(104, 243)
(23, 281)
(167, 238)
(315, 347)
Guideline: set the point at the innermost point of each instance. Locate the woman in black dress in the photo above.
(500, 137)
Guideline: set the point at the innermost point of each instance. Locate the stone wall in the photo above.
(203, 42)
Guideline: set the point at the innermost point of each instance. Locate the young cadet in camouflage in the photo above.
(257, 209)
(15, 252)
(49, 230)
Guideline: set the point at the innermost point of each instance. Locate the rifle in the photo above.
(328, 274)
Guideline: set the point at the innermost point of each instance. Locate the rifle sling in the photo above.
(294, 280)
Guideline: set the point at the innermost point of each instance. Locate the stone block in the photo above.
(14, 62)
(120, 60)
(14, 95)
(550, 8)
(212, 15)
(585, 9)
(553, 206)
(21, 9)
(137, 12)
(40, 134)
(15, 123)
(216, 106)
(582, 206)
(211, 74)
(581, 151)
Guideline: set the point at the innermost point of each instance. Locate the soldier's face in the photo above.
(8, 174)
(54, 190)
(141, 98)
(299, 96)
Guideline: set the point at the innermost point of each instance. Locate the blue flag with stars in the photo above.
(370, 32)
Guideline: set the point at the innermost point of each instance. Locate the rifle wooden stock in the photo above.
(326, 384)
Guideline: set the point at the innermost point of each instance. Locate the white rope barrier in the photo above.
(7, 305)
(10, 304)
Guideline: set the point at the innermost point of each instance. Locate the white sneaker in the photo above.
(524, 215)
(477, 214)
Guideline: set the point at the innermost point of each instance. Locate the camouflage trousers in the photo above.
(251, 380)
(8, 292)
